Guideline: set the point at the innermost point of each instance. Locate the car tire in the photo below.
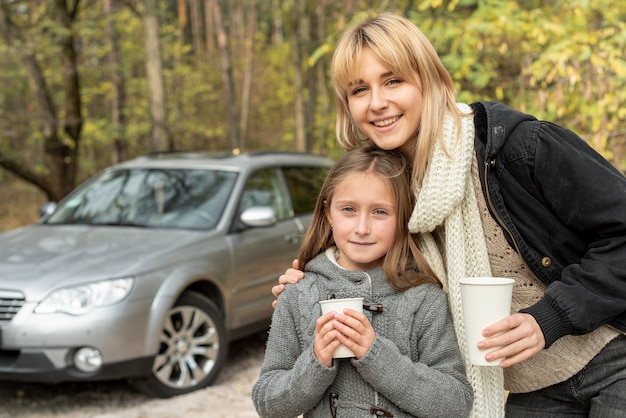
(193, 348)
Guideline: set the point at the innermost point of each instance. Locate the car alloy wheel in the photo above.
(192, 350)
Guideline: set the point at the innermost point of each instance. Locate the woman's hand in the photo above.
(519, 337)
(354, 331)
(291, 276)
(325, 341)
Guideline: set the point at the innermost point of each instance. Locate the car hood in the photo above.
(44, 257)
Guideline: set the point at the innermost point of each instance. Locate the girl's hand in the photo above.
(354, 331)
(521, 339)
(291, 276)
(325, 341)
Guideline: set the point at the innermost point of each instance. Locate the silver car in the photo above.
(149, 269)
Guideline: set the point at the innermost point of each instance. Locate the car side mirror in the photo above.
(47, 208)
(259, 216)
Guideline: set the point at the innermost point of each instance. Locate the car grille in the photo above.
(10, 304)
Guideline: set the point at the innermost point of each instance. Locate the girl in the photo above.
(500, 193)
(407, 361)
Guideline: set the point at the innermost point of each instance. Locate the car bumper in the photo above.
(42, 346)
(27, 366)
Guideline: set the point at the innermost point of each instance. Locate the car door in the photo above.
(261, 254)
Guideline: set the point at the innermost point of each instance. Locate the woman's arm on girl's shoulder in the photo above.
(291, 276)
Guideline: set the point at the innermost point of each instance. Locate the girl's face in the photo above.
(363, 217)
(383, 106)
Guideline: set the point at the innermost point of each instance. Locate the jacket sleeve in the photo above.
(433, 382)
(291, 381)
(588, 198)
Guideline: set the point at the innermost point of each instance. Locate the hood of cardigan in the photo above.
(344, 281)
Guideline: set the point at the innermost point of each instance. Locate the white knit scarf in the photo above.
(447, 198)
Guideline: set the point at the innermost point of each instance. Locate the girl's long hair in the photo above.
(404, 49)
(404, 263)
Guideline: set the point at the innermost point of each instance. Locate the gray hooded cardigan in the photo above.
(413, 368)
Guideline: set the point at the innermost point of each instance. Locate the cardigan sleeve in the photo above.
(433, 382)
(292, 380)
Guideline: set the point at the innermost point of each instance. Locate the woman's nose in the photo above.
(379, 100)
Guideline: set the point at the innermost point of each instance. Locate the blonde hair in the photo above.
(404, 264)
(404, 49)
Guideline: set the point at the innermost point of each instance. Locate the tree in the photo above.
(300, 29)
(227, 74)
(118, 79)
(562, 61)
(160, 135)
(61, 151)
(129, 77)
(248, 72)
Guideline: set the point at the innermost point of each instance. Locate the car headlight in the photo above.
(78, 300)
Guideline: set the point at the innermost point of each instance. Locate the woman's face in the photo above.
(383, 106)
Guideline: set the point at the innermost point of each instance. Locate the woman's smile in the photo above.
(385, 107)
(386, 122)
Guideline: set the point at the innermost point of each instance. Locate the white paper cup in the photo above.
(338, 305)
(486, 300)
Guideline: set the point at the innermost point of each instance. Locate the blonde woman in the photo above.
(500, 193)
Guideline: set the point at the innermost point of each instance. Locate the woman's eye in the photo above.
(358, 90)
(394, 81)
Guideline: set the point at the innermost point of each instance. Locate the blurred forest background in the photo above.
(87, 83)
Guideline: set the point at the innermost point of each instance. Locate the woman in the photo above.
(500, 193)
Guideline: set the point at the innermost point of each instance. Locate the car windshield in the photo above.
(154, 197)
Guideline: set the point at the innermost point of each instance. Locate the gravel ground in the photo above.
(229, 396)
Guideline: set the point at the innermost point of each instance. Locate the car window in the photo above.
(169, 198)
(304, 184)
(264, 188)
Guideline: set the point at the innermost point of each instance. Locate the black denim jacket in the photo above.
(563, 207)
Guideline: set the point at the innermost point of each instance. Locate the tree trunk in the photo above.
(309, 42)
(324, 96)
(196, 30)
(160, 137)
(182, 21)
(118, 93)
(277, 23)
(298, 81)
(209, 29)
(247, 77)
(227, 75)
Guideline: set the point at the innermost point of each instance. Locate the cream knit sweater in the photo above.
(447, 198)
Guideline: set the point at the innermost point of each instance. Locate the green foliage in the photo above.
(561, 60)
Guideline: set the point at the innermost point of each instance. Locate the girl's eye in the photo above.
(347, 209)
(394, 81)
(380, 212)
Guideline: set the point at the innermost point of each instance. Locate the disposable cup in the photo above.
(485, 300)
(338, 305)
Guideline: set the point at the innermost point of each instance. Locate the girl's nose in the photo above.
(362, 226)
